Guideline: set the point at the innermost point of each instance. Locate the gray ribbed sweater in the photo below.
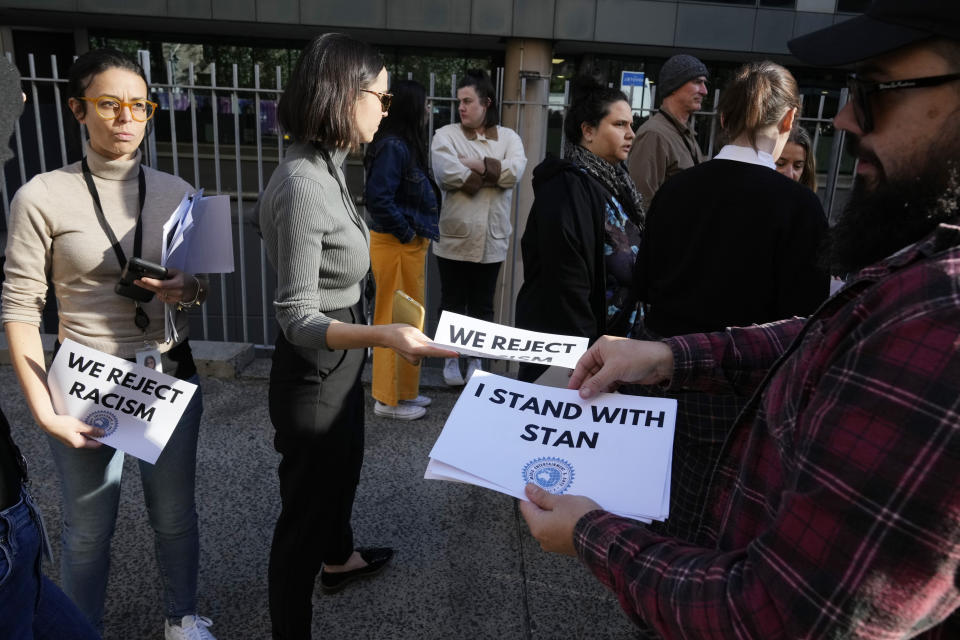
(316, 242)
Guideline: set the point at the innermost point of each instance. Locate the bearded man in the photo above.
(834, 511)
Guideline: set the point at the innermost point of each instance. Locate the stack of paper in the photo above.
(197, 236)
(197, 239)
(616, 449)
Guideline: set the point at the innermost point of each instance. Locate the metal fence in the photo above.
(226, 140)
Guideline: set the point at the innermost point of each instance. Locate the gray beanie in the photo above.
(677, 71)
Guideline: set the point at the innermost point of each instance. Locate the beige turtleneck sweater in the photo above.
(54, 232)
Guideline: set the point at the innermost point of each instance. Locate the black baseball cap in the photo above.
(885, 26)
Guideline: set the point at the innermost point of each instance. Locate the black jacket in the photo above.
(564, 283)
(730, 244)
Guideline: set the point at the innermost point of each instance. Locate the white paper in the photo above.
(198, 237)
(437, 470)
(615, 448)
(173, 228)
(212, 241)
(472, 337)
(137, 407)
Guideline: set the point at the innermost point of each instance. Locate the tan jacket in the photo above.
(662, 148)
(475, 216)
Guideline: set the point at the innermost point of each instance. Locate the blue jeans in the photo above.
(31, 606)
(90, 482)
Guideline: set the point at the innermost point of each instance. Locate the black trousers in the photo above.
(316, 407)
(468, 288)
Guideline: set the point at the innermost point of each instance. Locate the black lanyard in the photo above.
(140, 317)
(137, 234)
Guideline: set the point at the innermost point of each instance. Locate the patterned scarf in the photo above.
(614, 177)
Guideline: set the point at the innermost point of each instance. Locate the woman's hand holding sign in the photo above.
(411, 344)
(612, 361)
(72, 432)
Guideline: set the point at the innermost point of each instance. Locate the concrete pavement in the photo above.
(466, 566)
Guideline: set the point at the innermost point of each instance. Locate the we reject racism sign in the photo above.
(473, 337)
(137, 407)
(614, 448)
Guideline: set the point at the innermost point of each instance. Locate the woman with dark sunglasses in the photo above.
(728, 243)
(63, 226)
(320, 248)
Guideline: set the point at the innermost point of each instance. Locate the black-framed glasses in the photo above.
(385, 98)
(109, 107)
(861, 90)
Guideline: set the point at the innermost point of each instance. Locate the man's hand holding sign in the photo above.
(609, 363)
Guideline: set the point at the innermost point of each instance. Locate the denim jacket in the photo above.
(401, 197)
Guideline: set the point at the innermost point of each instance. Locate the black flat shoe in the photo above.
(376, 559)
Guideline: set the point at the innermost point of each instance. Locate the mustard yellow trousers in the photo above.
(395, 266)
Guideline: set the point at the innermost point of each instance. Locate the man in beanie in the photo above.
(665, 144)
(834, 511)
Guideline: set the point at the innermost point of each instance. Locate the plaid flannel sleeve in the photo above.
(731, 361)
(861, 538)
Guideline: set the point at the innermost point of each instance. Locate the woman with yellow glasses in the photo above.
(76, 226)
(109, 107)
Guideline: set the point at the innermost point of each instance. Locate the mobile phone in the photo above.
(139, 268)
(407, 310)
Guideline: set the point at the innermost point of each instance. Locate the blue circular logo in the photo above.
(551, 474)
(103, 420)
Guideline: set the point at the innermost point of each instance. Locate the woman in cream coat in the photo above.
(477, 163)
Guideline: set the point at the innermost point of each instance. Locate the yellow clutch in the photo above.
(407, 310)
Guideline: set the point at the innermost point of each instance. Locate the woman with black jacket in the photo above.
(584, 228)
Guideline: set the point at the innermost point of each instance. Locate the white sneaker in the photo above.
(190, 628)
(419, 401)
(451, 372)
(472, 365)
(399, 412)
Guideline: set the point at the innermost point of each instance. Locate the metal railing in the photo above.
(213, 114)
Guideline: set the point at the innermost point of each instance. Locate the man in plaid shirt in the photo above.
(834, 510)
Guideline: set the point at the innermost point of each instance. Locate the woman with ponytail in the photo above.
(729, 243)
(584, 228)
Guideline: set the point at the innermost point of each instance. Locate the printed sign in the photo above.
(482, 339)
(614, 448)
(632, 78)
(137, 407)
